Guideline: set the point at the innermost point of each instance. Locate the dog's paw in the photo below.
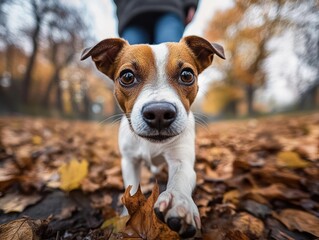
(179, 212)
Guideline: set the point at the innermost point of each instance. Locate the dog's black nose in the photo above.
(159, 115)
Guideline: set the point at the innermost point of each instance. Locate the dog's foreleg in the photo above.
(131, 170)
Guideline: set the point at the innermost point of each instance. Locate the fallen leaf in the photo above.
(8, 175)
(117, 224)
(255, 208)
(220, 164)
(278, 231)
(249, 225)
(290, 160)
(311, 151)
(14, 202)
(143, 222)
(225, 234)
(299, 220)
(101, 201)
(114, 182)
(72, 174)
(279, 191)
(66, 212)
(23, 229)
(36, 140)
(231, 196)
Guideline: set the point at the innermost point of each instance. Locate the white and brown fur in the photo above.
(157, 70)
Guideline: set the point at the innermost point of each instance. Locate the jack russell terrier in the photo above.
(155, 86)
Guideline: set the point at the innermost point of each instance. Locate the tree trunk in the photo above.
(26, 84)
(231, 108)
(75, 105)
(86, 106)
(54, 81)
(250, 99)
(58, 96)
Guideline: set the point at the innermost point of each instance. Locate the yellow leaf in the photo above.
(231, 196)
(72, 174)
(290, 160)
(36, 140)
(117, 224)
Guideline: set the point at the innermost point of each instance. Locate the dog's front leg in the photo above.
(131, 170)
(175, 206)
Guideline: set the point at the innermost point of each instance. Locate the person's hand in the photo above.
(190, 15)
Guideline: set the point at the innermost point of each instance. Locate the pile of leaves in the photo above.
(256, 179)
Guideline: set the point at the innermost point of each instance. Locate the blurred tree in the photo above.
(56, 76)
(67, 34)
(245, 30)
(306, 34)
(39, 10)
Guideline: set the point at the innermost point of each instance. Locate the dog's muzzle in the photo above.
(159, 116)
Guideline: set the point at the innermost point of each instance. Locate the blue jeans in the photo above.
(167, 27)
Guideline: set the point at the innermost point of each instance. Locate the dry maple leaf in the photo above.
(15, 202)
(22, 229)
(299, 220)
(249, 225)
(143, 222)
(72, 174)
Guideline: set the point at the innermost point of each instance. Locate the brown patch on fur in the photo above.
(179, 58)
(140, 60)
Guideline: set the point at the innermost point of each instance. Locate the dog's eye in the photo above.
(187, 77)
(127, 78)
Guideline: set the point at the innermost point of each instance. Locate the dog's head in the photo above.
(155, 85)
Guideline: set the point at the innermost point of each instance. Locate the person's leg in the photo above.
(135, 35)
(169, 27)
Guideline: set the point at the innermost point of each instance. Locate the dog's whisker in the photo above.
(202, 124)
(109, 118)
(200, 114)
(201, 120)
(115, 121)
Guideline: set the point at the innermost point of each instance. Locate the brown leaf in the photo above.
(299, 220)
(280, 191)
(225, 234)
(8, 175)
(311, 151)
(249, 225)
(66, 212)
(143, 221)
(221, 164)
(22, 229)
(231, 196)
(14, 202)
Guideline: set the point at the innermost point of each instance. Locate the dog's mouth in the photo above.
(157, 138)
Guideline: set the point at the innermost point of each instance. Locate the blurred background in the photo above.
(272, 51)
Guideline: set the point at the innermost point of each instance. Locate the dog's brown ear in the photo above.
(104, 54)
(203, 50)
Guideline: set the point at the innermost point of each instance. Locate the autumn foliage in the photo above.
(256, 179)
(249, 32)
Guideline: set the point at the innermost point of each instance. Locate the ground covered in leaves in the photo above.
(256, 179)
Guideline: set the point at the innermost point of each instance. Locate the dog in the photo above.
(155, 86)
